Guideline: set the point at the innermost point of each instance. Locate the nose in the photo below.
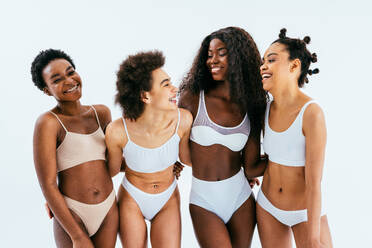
(175, 89)
(263, 67)
(214, 59)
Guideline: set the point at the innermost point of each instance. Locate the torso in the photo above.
(154, 181)
(285, 185)
(216, 162)
(88, 182)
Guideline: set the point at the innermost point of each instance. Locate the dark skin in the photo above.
(217, 162)
(88, 182)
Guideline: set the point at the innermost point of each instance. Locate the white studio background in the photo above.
(98, 35)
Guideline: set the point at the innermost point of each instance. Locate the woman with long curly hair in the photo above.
(295, 139)
(223, 91)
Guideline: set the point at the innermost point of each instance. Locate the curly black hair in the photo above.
(244, 63)
(42, 60)
(297, 50)
(133, 78)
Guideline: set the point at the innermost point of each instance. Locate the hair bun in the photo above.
(282, 34)
(311, 72)
(307, 39)
(314, 58)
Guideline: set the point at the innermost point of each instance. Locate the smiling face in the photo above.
(162, 94)
(217, 60)
(277, 69)
(62, 81)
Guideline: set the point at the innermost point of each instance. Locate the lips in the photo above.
(72, 89)
(173, 99)
(216, 69)
(265, 76)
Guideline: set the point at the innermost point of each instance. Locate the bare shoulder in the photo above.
(104, 114)
(47, 122)
(189, 101)
(115, 132)
(186, 117)
(313, 116)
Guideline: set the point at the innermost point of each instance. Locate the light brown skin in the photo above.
(88, 182)
(217, 162)
(154, 127)
(293, 188)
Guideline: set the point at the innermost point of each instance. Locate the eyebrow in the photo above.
(270, 54)
(57, 74)
(218, 49)
(164, 80)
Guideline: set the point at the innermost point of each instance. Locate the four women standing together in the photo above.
(224, 106)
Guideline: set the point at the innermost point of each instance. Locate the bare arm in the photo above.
(185, 128)
(115, 142)
(316, 135)
(44, 145)
(254, 164)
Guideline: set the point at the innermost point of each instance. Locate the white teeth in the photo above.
(215, 69)
(72, 89)
(265, 75)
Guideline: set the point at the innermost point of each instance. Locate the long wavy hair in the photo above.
(243, 74)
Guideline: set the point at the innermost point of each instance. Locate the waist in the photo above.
(89, 183)
(152, 183)
(285, 186)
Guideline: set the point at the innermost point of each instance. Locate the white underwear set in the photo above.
(223, 197)
(150, 160)
(285, 148)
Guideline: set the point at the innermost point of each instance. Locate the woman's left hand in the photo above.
(178, 167)
(253, 181)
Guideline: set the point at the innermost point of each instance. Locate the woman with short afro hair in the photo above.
(69, 144)
(150, 136)
(223, 91)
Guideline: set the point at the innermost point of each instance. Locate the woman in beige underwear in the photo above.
(69, 144)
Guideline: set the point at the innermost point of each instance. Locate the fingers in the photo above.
(49, 212)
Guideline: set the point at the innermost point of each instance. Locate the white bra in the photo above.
(206, 133)
(287, 147)
(150, 160)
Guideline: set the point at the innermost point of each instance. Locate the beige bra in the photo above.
(77, 148)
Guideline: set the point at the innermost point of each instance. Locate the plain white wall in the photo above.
(98, 36)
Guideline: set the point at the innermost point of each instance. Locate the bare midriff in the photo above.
(215, 162)
(152, 183)
(88, 182)
(284, 186)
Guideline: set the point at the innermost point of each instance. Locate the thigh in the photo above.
(166, 225)
(106, 235)
(61, 237)
(300, 232)
(210, 230)
(242, 223)
(272, 233)
(132, 225)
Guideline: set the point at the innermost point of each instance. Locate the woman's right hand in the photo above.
(82, 242)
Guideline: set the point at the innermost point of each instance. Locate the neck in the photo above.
(153, 120)
(284, 96)
(69, 108)
(222, 89)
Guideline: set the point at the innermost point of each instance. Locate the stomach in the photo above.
(88, 182)
(215, 162)
(152, 183)
(285, 186)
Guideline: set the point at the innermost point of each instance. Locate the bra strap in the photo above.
(125, 127)
(99, 124)
(302, 111)
(59, 121)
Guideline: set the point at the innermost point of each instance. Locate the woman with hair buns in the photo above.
(294, 140)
